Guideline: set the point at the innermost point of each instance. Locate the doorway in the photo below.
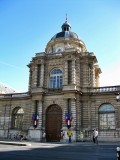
(53, 123)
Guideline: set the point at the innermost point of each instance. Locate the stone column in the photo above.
(30, 80)
(97, 80)
(40, 109)
(33, 107)
(78, 113)
(78, 72)
(65, 111)
(85, 75)
(64, 125)
(36, 133)
(73, 111)
(73, 124)
(66, 74)
(92, 76)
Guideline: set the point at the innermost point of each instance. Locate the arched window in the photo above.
(106, 116)
(56, 78)
(17, 118)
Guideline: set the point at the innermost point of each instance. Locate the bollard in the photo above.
(118, 153)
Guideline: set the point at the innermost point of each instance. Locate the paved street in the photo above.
(58, 151)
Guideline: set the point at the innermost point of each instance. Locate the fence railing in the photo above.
(102, 89)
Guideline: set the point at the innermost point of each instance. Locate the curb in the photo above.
(16, 143)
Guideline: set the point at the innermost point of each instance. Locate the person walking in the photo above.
(69, 133)
(95, 136)
(44, 136)
(62, 135)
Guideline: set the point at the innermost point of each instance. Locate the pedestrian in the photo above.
(95, 136)
(69, 133)
(44, 136)
(81, 136)
(62, 135)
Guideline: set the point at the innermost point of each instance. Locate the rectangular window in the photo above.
(38, 74)
(69, 72)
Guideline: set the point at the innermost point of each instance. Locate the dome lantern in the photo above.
(66, 26)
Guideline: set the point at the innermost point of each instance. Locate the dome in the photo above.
(64, 41)
(5, 89)
(65, 34)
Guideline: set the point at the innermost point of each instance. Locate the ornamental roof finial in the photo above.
(66, 17)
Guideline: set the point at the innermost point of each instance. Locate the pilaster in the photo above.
(40, 109)
(73, 111)
(73, 72)
(66, 73)
(65, 111)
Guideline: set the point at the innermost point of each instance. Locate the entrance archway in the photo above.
(53, 123)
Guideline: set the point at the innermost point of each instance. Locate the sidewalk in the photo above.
(33, 144)
(39, 144)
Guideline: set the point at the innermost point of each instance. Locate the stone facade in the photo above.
(62, 80)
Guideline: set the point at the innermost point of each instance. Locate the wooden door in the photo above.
(53, 123)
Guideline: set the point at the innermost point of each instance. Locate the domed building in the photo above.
(64, 93)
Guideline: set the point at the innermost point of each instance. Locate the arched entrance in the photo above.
(53, 123)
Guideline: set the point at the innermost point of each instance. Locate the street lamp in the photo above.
(118, 97)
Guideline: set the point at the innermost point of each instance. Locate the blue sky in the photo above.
(26, 26)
